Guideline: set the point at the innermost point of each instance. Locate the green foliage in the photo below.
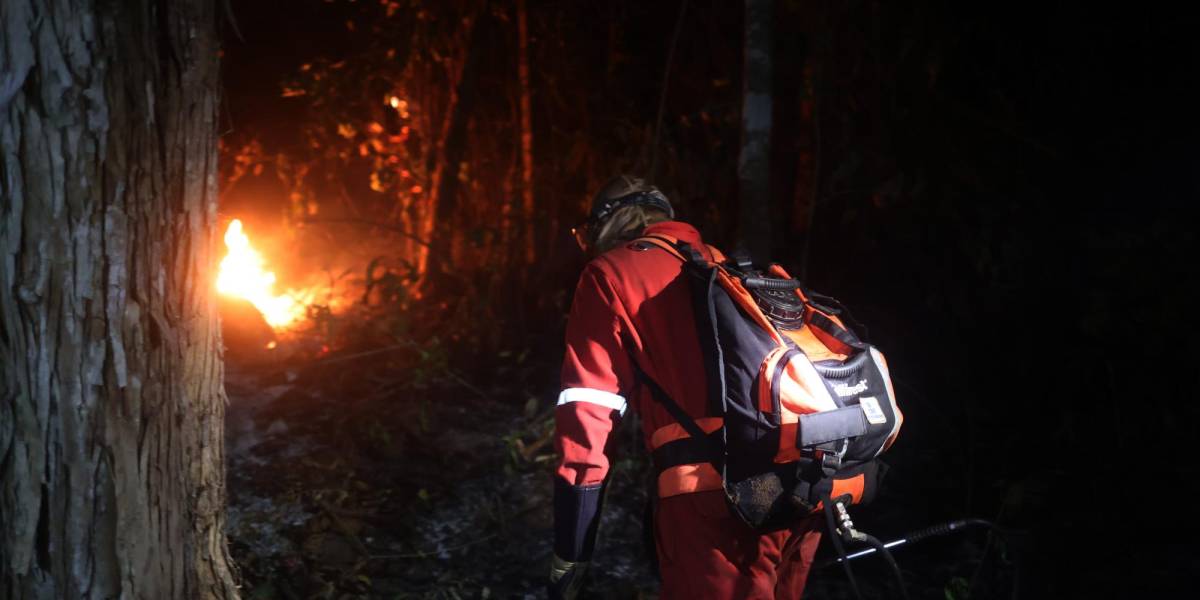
(957, 588)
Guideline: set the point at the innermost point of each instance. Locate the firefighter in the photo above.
(631, 321)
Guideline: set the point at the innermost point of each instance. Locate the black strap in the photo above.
(831, 426)
(833, 306)
(660, 396)
(818, 320)
(838, 332)
(683, 248)
(687, 451)
(708, 444)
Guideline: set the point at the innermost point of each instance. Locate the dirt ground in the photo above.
(349, 481)
(442, 492)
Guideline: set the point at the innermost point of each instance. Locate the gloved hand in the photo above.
(566, 578)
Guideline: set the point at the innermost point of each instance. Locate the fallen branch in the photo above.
(528, 452)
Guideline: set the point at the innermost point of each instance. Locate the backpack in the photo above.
(807, 406)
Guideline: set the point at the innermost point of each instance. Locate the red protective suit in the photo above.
(633, 306)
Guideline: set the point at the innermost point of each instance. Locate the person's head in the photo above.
(621, 209)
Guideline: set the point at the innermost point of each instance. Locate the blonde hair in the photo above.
(625, 224)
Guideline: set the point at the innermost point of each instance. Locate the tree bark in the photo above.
(444, 202)
(754, 161)
(111, 397)
(526, 130)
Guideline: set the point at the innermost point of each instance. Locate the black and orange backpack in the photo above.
(806, 405)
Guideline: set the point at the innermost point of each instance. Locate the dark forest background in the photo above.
(1003, 193)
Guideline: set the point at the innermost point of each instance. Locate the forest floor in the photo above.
(352, 481)
(441, 492)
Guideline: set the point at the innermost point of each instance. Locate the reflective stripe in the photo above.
(593, 396)
(685, 479)
(881, 364)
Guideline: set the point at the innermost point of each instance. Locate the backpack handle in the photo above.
(770, 283)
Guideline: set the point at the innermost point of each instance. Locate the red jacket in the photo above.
(632, 305)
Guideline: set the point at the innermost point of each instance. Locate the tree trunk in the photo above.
(444, 202)
(754, 172)
(526, 130)
(111, 397)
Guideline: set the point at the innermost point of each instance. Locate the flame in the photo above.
(242, 275)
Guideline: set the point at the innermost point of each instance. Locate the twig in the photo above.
(528, 452)
(337, 359)
(463, 382)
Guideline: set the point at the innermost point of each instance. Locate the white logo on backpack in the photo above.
(844, 390)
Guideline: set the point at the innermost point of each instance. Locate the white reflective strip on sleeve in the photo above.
(592, 396)
(891, 394)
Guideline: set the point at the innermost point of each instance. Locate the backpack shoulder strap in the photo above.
(705, 445)
(660, 396)
(682, 250)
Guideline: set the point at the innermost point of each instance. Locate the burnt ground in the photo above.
(353, 481)
(423, 489)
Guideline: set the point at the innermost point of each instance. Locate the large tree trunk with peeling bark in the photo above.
(111, 398)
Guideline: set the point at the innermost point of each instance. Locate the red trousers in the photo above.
(705, 551)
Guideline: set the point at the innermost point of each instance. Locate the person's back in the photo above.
(632, 323)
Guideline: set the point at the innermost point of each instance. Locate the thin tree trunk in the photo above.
(819, 56)
(111, 398)
(444, 202)
(754, 164)
(526, 130)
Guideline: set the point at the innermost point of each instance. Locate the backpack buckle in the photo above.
(831, 463)
(828, 456)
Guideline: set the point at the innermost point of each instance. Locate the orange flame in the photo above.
(242, 275)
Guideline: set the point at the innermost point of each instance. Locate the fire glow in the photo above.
(242, 275)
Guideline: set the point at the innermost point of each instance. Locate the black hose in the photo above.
(889, 559)
(948, 528)
(837, 545)
(916, 536)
